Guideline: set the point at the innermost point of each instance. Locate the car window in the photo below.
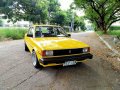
(44, 30)
(49, 31)
(30, 31)
(38, 32)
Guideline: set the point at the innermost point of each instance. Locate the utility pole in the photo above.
(72, 22)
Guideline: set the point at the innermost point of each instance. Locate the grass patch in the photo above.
(99, 32)
(12, 33)
(112, 32)
(115, 28)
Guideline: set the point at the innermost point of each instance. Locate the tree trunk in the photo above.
(103, 26)
(105, 31)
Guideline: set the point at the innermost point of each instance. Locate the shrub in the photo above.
(13, 33)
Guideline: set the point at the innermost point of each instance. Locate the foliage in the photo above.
(115, 28)
(13, 33)
(102, 13)
(53, 7)
(68, 17)
(40, 11)
(79, 22)
(31, 10)
(59, 18)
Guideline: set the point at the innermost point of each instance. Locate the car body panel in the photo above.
(54, 64)
(57, 43)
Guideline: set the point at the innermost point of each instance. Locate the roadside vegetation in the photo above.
(41, 12)
(102, 13)
(114, 30)
(12, 33)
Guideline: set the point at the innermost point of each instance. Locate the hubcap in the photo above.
(34, 59)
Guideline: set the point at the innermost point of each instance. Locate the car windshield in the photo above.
(48, 31)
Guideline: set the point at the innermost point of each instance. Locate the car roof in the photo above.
(47, 25)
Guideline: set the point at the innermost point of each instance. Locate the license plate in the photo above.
(68, 63)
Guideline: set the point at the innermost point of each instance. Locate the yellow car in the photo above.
(51, 46)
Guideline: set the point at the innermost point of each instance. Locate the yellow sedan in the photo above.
(50, 45)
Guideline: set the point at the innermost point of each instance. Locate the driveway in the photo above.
(18, 73)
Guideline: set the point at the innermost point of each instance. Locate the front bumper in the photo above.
(63, 59)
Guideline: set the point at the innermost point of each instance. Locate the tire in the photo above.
(26, 48)
(35, 61)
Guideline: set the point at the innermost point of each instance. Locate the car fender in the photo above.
(39, 56)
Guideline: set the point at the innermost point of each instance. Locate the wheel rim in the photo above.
(34, 58)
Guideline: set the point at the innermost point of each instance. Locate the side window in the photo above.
(38, 32)
(30, 32)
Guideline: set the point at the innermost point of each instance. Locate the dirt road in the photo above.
(18, 73)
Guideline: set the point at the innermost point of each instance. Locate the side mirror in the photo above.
(29, 35)
(69, 35)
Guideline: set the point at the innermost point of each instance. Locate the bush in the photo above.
(13, 33)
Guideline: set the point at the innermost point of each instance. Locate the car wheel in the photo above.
(35, 61)
(26, 48)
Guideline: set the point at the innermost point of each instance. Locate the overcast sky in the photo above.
(65, 4)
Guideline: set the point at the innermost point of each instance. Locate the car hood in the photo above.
(57, 43)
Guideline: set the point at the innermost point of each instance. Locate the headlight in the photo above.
(49, 53)
(85, 50)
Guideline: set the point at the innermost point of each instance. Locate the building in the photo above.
(21, 23)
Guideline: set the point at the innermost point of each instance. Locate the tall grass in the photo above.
(12, 33)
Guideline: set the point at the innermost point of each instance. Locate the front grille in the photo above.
(67, 52)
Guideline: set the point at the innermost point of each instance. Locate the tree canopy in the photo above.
(39, 11)
(31, 10)
(79, 22)
(102, 13)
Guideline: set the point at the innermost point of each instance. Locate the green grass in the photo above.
(115, 28)
(12, 33)
(99, 32)
(113, 32)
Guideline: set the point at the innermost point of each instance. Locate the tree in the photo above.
(53, 7)
(37, 11)
(59, 18)
(103, 13)
(79, 22)
(31, 10)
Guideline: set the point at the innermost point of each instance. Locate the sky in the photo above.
(65, 4)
